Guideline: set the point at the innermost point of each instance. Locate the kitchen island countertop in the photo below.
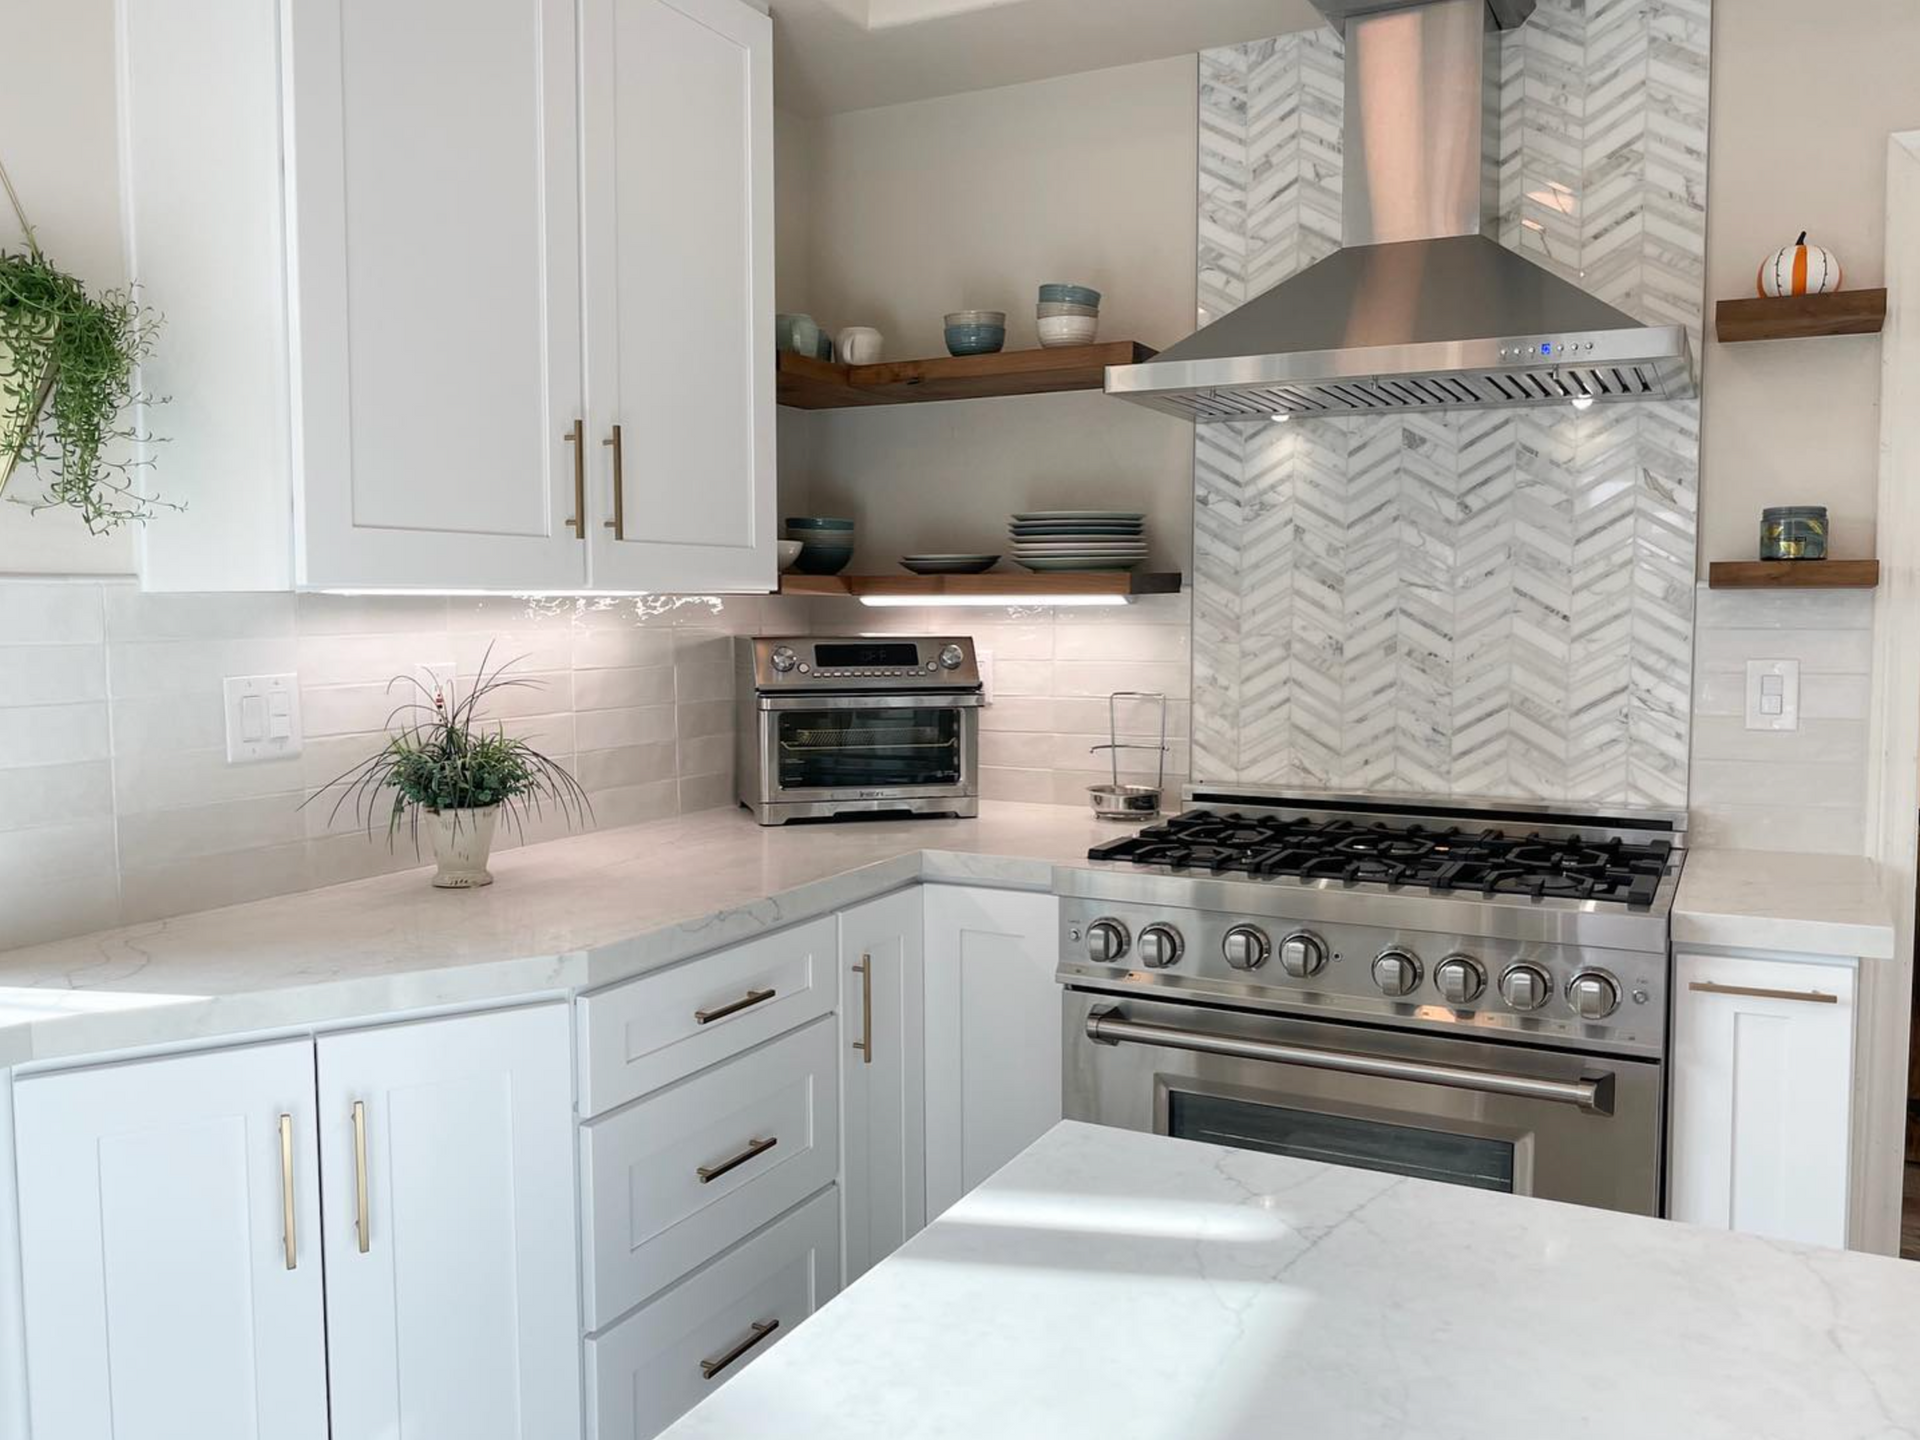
(1821, 905)
(1108, 1285)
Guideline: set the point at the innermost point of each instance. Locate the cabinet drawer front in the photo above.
(652, 1367)
(677, 1177)
(650, 1032)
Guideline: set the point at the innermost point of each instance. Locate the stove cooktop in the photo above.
(1354, 852)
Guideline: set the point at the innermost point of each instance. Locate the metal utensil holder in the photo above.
(1130, 802)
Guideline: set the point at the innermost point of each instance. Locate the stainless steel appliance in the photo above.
(857, 725)
(1470, 994)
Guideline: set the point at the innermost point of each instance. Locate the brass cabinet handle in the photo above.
(751, 998)
(865, 1043)
(760, 1331)
(1754, 992)
(577, 437)
(618, 524)
(360, 1225)
(286, 1190)
(710, 1173)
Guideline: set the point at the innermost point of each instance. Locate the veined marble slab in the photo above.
(1769, 900)
(1113, 1286)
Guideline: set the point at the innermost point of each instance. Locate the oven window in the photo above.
(1342, 1140)
(824, 749)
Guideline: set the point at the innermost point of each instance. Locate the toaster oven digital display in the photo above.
(867, 656)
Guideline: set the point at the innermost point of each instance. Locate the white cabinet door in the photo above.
(882, 1077)
(165, 1293)
(453, 1308)
(678, 154)
(992, 1033)
(434, 198)
(1762, 1085)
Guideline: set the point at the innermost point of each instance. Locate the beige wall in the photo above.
(1804, 97)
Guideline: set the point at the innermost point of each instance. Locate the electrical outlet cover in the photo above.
(1773, 695)
(263, 718)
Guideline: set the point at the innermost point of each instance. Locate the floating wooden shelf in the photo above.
(1793, 574)
(995, 583)
(807, 384)
(1798, 317)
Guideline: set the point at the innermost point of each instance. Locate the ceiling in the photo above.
(835, 55)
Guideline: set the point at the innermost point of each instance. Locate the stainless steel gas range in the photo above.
(1464, 993)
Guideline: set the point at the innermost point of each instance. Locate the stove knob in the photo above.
(1460, 980)
(1525, 987)
(1160, 947)
(784, 658)
(1593, 995)
(1246, 947)
(1303, 955)
(952, 657)
(1396, 972)
(1106, 941)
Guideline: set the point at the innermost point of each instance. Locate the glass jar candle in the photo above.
(1793, 532)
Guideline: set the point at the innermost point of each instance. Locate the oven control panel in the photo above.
(788, 664)
(1577, 996)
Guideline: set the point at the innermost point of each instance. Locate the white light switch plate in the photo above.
(1773, 695)
(263, 717)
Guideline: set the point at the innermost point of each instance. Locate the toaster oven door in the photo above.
(869, 746)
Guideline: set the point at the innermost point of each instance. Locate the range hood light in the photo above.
(928, 602)
(1583, 402)
(1280, 417)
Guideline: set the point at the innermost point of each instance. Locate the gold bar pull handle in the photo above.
(760, 1331)
(361, 1228)
(618, 524)
(1754, 992)
(710, 1173)
(747, 1001)
(286, 1191)
(865, 1043)
(577, 437)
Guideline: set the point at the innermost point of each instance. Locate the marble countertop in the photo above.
(1831, 905)
(1118, 1286)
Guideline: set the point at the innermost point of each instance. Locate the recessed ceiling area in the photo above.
(836, 55)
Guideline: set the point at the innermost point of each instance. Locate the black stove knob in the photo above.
(1303, 955)
(1396, 972)
(1459, 979)
(1525, 987)
(1106, 941)
(1593, 994)
(1160, 946)
(1246, 947)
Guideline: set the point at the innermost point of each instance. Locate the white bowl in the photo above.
(1067, 330)
(789, 552)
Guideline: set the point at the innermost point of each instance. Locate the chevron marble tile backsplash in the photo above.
(1497, 603)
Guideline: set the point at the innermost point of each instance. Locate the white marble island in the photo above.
(1117, 1286)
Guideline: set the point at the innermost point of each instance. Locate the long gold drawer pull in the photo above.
(761, 1329)
(750, 999)
(577, 437)
(1755, 992)
(360, 1225)
(865, 1043)
(710, 1173)
(618, 524)
(286, 1190)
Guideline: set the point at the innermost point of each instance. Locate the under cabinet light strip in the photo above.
(928, 602)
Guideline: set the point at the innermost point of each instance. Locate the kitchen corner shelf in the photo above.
(1800, 317)
(985, 587)
(1793, 574)
(806, 384)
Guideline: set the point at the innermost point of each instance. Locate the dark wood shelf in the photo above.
(998, 582)
(807, 384)
(1800, 317)
(1793, 574)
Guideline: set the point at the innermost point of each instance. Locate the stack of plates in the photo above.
(1079, 539)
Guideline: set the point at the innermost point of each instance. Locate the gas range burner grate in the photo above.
(1487, 862)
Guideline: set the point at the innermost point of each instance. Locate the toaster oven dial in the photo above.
(1525, 987)
(1246, 947)
(1460, 979)
(1303, 955)
(952, 657)
(1106, 941)
(784, 658)
(1160, 946)
(1593, 995)
(1396, 972)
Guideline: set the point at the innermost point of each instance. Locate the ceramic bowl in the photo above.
(976, 339)
(789, 551)
(818, 523)
(1067, 330)
(1048, 309)
(1070, 295)
(976, 317)
(816, 559)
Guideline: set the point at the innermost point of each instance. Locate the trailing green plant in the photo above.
(440, 757)
(68, 362)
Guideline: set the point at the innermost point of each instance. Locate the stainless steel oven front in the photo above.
(1530, 1120)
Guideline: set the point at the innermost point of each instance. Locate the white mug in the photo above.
(858, 345)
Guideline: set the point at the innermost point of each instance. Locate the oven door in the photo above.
(869, 747)
(1521, 1119)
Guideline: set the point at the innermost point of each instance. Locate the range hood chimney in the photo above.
(1421, 309)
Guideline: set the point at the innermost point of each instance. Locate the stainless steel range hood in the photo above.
(1421, 310)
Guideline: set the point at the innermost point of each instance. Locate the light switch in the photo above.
(263, 717)
(1773, 695)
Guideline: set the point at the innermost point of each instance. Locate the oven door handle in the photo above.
(1592, 1093)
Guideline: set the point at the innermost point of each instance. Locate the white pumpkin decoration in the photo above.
(1800, 269)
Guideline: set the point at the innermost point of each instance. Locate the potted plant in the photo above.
(68, 362)
(441, 764)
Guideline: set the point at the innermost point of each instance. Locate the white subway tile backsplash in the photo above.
(53, 734)
(59, 851)
(705, 717)
(629, 765)
(181, 886)
(39, 795)
(51, 674)
(607, 647)
(319, 614)
(706, 792)
(1823, 652)
(622, 689)
(156, 780)
(50, 614)
(156, 838)
(611, 729)
(33, 910)
(702, 682)
(185, 667)
(707, 755)
(132, 615)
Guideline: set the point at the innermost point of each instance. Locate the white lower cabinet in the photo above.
(666, 1357)
(1762, 1081)
(992, 1032)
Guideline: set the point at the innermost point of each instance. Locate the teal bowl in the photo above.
(816, 559)
(976, 339)
(819, 525)
(1069, 295)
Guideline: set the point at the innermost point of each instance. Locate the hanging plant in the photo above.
(67, 367)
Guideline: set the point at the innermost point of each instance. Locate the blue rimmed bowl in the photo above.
(1069, 295)
(818, 559)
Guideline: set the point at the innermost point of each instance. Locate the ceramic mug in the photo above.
(859, 345)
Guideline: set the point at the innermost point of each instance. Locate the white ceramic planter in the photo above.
(462, 840)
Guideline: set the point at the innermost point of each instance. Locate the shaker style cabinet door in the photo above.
(170, 1229)
(883, 1087)
(678, 155)
(993, 1033)
(433, 198)
(452, 1300)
